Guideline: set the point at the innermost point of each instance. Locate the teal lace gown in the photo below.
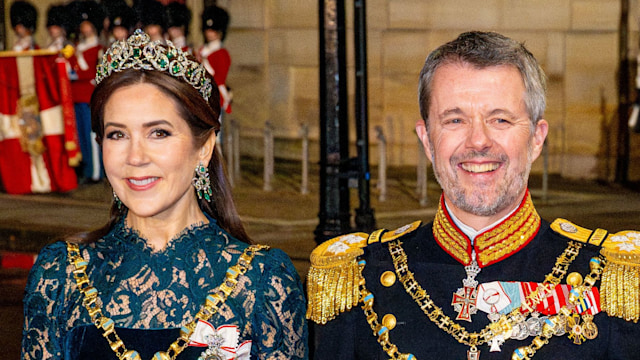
(150, 295)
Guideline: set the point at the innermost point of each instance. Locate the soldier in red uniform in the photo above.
(151, 18)
(58, 22)
(177, 19)
(121, 18)
(24, 18)
(83, 71)
(214, 56)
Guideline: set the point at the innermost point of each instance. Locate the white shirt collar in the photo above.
(468, 230)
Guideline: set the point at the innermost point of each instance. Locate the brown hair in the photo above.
(482, 50)
(202, 118)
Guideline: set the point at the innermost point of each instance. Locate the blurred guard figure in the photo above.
(177, 20)
(151, 18)
(212, 54)
(24, 18)
(89, 17)
(58, 22)
(121, 18)
(487, 278)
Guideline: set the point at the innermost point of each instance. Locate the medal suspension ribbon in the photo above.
(212, 303)
(458, 332)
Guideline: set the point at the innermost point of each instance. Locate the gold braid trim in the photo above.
(620, 287)
(493, 245)
(510, 235)
(332, 281)
(447, 235)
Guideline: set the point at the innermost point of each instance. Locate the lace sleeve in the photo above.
(41, 333)
(279, 319)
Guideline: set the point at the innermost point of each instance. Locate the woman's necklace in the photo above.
(212, 303)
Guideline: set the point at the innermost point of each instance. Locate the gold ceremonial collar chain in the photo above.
(212, 303)
(503, 327)
(493, 245)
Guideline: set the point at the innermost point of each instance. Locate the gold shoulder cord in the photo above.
(502, 327)
(212, 303)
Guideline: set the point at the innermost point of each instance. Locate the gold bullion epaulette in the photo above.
(334, 276)
(620, 281)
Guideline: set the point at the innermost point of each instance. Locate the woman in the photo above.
(173, 274)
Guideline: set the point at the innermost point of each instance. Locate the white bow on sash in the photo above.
(221, 343)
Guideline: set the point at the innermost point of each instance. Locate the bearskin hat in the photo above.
(215, 18)
(23, 13)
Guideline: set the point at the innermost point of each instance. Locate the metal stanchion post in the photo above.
(304, 131)
(228, 149)
(382, 164)
(235, 129)
(268, 156)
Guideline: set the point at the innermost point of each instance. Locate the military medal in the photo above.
(473, 353)
(214, 343)
(464, 300)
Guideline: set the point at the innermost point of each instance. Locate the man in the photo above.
(487, 279)
(151, 18)
(213, 55)
(121, 18)
(177, 19)
(58, 22)
(24, 18)
(89, 18)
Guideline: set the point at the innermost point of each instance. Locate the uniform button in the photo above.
(574, 279)
(387, 278)
(389, 321)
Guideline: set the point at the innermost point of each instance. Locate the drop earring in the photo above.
(202, 183)
(117, 201)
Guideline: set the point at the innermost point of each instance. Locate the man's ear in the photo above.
(539, 135)
(421, 130)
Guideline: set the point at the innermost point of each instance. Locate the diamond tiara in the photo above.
(140, 53)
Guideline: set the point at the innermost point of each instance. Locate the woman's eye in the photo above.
(114, 135)
(160, 133)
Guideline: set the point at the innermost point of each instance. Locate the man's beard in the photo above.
(478, 202)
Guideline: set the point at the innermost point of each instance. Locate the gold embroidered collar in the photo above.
(493, 245)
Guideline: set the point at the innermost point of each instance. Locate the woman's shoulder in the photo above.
(264, 258)
(51, 265)
(53, 253)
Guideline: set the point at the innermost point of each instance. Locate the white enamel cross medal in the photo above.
(464, 300)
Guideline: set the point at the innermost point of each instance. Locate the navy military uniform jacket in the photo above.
(350, 336)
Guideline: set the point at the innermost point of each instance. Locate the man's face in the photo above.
(480, 140)
(55, 31)
(21, 30)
